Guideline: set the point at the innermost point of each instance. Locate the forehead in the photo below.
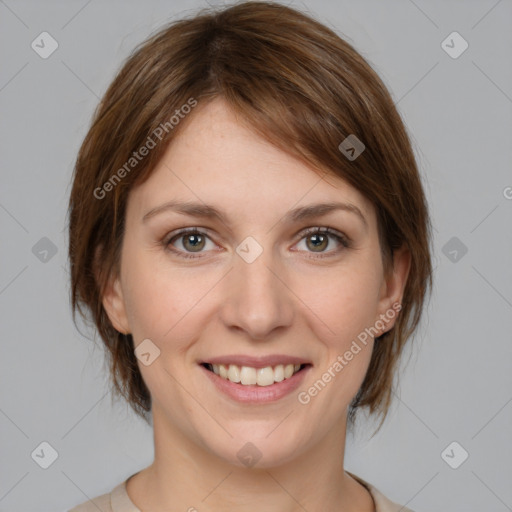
(216, 158)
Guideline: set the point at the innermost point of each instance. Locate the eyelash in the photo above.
(342, 239)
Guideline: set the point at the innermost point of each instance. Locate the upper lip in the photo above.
(256, 361)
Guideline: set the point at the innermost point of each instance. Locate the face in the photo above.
(256, 287)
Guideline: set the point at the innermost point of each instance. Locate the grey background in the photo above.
(457, 385)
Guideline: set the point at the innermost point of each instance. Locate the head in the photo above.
(246, 111)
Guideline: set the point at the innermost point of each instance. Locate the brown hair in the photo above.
(298, 85)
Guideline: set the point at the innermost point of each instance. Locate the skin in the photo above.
(290, 300)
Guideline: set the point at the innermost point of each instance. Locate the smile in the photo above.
(251, 385)
(249, 376)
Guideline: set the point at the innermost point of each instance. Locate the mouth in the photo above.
(259, 377)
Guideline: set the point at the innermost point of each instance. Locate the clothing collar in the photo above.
(121, 502)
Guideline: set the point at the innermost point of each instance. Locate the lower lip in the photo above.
(254, 393)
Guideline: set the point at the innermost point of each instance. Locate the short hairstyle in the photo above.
(301, 87)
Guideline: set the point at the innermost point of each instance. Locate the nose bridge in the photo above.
(257, 300)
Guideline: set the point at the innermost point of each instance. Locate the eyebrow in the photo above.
(301, 213)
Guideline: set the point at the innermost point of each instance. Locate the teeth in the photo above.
(279, 373)
(233, 373)
(223, 371)
(248, 376)
(265, 376)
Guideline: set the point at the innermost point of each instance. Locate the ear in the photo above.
(392, 289)
(113, 299)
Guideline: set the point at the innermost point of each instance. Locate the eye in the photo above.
(191, 240)
(318, 239)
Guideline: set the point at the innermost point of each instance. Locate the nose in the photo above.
(258, 300)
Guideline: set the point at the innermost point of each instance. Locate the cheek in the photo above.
(340, 301)
(345, 301)
(165, 302)
(152, 297)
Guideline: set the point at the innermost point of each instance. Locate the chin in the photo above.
(257, 452)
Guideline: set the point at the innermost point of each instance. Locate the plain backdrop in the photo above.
(457, 380)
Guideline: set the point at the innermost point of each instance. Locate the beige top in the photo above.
(119, 501)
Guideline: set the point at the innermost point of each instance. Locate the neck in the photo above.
(188, 476)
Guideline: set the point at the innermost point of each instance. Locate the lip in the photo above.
(256, 362)
(255, 394)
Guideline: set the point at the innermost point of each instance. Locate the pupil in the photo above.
(318, 240)
(195, 241)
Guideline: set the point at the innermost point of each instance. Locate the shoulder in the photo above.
(114, 501)
(382, 502)
(118, 501)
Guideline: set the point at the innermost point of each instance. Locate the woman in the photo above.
(249, 232)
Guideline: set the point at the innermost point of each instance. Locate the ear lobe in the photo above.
(394, 286)
(112, 299)
(113, 303)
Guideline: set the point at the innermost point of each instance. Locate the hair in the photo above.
(301, 87)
